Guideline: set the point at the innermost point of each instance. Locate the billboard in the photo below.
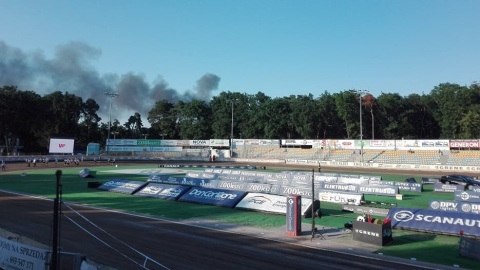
(61, 146)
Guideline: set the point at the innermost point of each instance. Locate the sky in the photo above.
(183, 49)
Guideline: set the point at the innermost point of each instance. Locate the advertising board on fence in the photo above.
(439, 187)
(263, 188)
(435, 221)
(163, 191)
(343, 198)
(467, 196)
(218, 197)
(122, 186)
(270, 203)
(464, 207)
(15, 255)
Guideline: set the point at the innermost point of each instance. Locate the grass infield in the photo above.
(439, 249)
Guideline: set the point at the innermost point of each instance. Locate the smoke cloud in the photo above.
(70, 70)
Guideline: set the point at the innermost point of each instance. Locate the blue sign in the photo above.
(219, 197)
(122, 186)
(435, 221)
(467, 196)
(163, 191)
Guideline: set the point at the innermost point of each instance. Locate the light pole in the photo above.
(145, 135)
(360, 94)
(231, 129)
(111, 95)
(115, 135)
(163, 135)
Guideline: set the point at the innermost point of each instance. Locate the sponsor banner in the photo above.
(121, 142)
(199, 142)
(229, 177)
(325, 178)
(343, 198)
(378, 190)
(163, 191)
(474, 189)
(302, 191)
(340, 187)
(149, 143)
(354, 179)
(263, 188)
(230, 185)
(293, 215)
(466, 196)
(376, 234)
(297, 142)
(405, 186)
(256, 179)
(270, 203)
(444, 206)
(86, 173)
(381, 183)
(218, 197)
(143, 149)
(473, 208)
(275, 181)
(469, 248)
(438, 186)
(61, 146)
(15, 255)
(426, 180)
(219, 143)
(301, 180)
(435, 221)
(122, 186)
(203, 175)
(464, 144)
(383, 212)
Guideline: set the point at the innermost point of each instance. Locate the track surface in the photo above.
(130, 239)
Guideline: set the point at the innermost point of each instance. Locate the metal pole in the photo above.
(56, 209)
(361, 128)
(111, 95)
(231, 133)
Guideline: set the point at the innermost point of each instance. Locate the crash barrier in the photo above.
(455, 206)
(371, 233)
(204, 195)
(435, 221)
(469, 247)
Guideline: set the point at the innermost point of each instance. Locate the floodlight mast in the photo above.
(360, 94)
(111, 95)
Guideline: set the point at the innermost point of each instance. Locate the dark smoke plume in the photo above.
(70, 71)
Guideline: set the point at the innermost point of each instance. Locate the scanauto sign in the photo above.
(435, 221)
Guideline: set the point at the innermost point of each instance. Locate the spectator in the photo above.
(3, 165)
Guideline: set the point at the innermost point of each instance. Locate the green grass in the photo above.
(439, 249)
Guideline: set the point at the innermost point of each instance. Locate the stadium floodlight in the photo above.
(111, 95)
(163, 135)
(231, 129)
(361, 94)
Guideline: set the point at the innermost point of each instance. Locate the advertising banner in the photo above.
(439, 187)
(293, 215)
(231, 185)
(473, 208)
(378, 190)
(305, 192)
(61, 146)
(263, 188)
(376, 234)
(270, 203)
(340, 187)
(464, 144)
(466, 196)
(199, 142)
(435, 221)
(444, 206)
(210, 196)
(374, 211)
(342, 198)
(122, 186)
(15, 255)
(163, 191)
(219, 143)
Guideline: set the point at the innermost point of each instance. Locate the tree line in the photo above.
(449, 111)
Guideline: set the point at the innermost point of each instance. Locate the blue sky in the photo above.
(280, 48)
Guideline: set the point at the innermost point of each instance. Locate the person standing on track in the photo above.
(3, 165)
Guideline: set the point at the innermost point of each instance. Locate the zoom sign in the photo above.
(435, 221)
